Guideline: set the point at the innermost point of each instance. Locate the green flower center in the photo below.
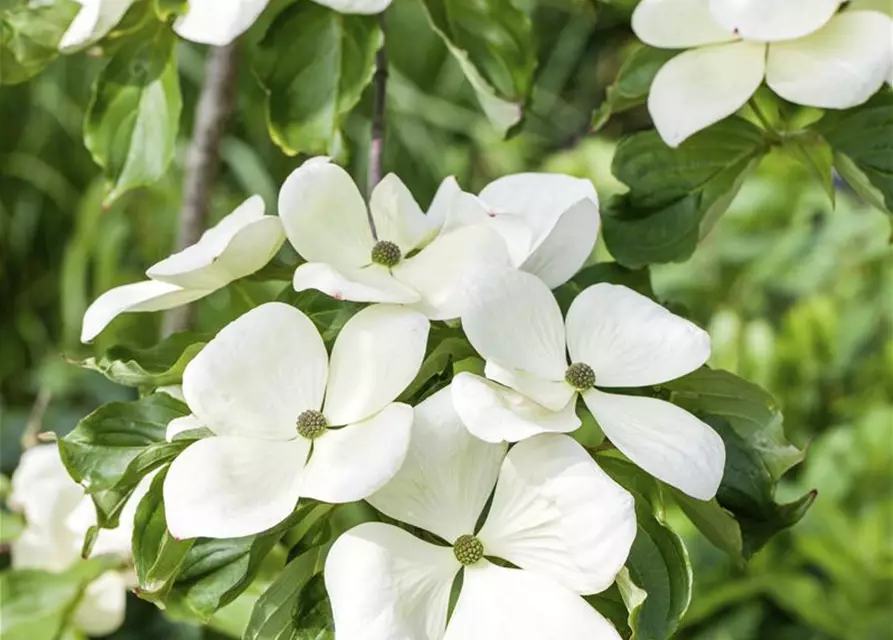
(311, 424)
(580, 376)
(468, 549)
(386, 253)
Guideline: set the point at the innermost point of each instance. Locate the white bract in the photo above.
(410, 262)
(219, 22)
(289, 421)
(555, 514)
(57, 515)
(807, 53)
(95, 19)
(549, 221)
(240, 244)
(615, 338)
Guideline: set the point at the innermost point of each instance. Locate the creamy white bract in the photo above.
(268, 390)
(806, 51)
(616, 338)
(555, 514)
(240, 244)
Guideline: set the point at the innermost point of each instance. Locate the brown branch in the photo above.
(31, 434)
(215, 104)
(379, 117)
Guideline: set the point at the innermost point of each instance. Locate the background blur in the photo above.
(797, 294)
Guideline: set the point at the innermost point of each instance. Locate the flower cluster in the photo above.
(482, 468)
(808, 52)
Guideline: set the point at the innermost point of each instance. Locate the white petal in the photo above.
(498, 414)
(181, 425)
(447, 476)
(356, 6)
(668, 442)
(557, 513)
(227, 487)
(631, 341)
(442, 203)
(513, 319)
(838, 67)
(386, 584)
(101, 608)
(324, 216)
(237, 246)
(398, 217)
(43, 491)
(443, 271)
(677, 24)
(258, 374)
(564, 251)
(700, 87)
(552, 394)
(218, 22)
(95, 19)
(351, 463)
(369, 284)
(377, 354)
(511, 604)
(771, 20)
(139, 296)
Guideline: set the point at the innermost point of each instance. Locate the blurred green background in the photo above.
(797, 293)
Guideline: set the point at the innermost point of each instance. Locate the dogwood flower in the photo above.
(219, 22)
(807, 53)
(289, 421)
(549, 221)
(555, 515)
(616, 338)
(57, 515)
(240, 244)
(95, 19)
(409, 262)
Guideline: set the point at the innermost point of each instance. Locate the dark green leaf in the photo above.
(314, 64)
(864, 135)
(633, 83)
(30, 33)
(161, 364)
(815, 154)
(676, 195)
(493, 43)
(445, 347)
(717, 524)
(133, 118)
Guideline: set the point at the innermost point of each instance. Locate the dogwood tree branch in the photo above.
(379, 117)
(215, 105)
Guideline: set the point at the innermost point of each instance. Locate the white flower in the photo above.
(57, 515)
(219, 22)
(326, 221)
(554, 514)
(259, 387)
(807, 53)
(240, 244)
(95, 19)
(616, 338)
(549, 221)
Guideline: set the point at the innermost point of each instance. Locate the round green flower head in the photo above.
(580, 376)
(386, 253)
(468, 549)
(311, 424)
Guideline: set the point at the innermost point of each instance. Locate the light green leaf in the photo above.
(493, 44)
(133, 117)
(816, 155)
(717, 524)
(30, 33)
(676, 195)
(11, 526)
(314, 64)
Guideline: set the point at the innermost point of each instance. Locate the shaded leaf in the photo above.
(30, 33)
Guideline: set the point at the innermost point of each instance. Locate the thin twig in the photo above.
(379, 118)
(215, 104)
(35, 418)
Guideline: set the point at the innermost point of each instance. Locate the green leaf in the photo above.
(864, 136)
(159, 365)
(11, 526)
(493, 44)
(30, 33)
(633, 83)
(37, 605)
(815, 154)
(717, 524)
(636, 279)
(275, 616)
(445, 347)
(133, 117)
(676, 195)
(165, 9)
(314, 64)
(111, 449)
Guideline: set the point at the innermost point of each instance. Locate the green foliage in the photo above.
(29, 36)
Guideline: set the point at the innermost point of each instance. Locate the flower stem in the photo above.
(379, 117)
(764, 120)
